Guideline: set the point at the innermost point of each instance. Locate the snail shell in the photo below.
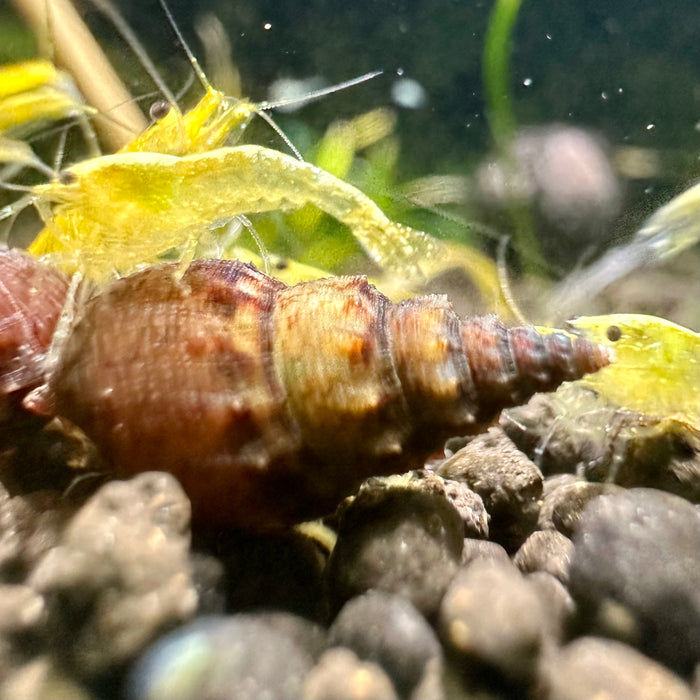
(270, 403)
(32, 295)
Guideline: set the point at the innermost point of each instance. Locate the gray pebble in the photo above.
(340, 675)
(473, 549)
(636, 573)
(590, 667)
(507, 481)
(558, 606)
(399, 540)
(390, 631)
(120, 573)
(546, 550)
(247, 656)
(492, 617)
(563, 506)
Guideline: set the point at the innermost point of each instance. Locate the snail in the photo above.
(269, 402)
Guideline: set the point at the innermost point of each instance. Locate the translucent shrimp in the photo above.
(657, 366)
(120, 210)
(171, 184)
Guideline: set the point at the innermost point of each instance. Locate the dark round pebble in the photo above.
(558, 606)
(546, 550)
(242, 657)
(390, 631)
(507, 481)
(492, 617)
(399, 540)
(637, 554)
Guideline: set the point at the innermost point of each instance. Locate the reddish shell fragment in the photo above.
(32, 295)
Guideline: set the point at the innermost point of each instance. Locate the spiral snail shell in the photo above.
(270, 403)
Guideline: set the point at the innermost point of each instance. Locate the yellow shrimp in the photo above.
(656, 369)
(120, 210)
(176, 180)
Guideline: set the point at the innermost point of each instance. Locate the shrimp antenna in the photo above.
(192, 58)
(262, 108)
(278, 130)
(323, 92)
(110, 11)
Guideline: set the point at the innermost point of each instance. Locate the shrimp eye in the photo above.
(613, 333)
(281, 264)
(66, 177)
(159, 109)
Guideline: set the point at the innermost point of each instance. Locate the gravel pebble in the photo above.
(390, 631)
(399, 540)
(491, 616)
(247, 656)
(590, 667)
(102, 589)
(340, 675)
(473, 549)
(563, 506)
(637, 558)
(546, 550)
(557, 604)
(507, 481)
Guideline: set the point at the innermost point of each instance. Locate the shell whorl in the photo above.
(270, 403)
